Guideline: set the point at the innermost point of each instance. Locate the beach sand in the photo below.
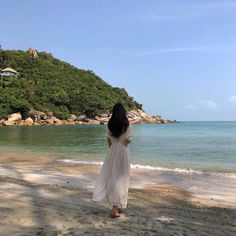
(41, 196)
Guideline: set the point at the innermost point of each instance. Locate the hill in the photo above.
(48, 84)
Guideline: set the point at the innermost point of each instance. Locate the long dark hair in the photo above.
(118, 122)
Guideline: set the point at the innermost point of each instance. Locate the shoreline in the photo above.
(217, 189)
(38, 118)
(41, 196)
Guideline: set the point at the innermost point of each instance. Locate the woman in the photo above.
(113, 182)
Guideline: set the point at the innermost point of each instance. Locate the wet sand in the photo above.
(41, 196)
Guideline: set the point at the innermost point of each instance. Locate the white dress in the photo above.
(113, 182)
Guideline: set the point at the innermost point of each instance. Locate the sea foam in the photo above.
(184, 171)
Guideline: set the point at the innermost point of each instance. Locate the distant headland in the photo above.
(38, 89)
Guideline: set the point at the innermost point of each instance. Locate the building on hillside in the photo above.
(8, 72)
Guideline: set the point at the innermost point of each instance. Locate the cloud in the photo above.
(186, 11)
(207, 104)
(215, 5)
(167, 50)
(233, 99)
(202, 104)
(180, 50)
(190, 107)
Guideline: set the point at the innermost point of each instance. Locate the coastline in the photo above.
(38, 118)
(44, 196)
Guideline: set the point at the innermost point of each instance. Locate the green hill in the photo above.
(50, 85)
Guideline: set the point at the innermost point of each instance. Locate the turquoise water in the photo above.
(200, 146)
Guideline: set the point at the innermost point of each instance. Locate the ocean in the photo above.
(199, 157)
(185, 147)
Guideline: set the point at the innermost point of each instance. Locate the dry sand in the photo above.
(39, 196)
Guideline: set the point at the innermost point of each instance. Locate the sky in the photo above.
(176, 57)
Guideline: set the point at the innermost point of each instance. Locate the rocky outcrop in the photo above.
(37, 118)
(33, 52)
(140, 117)
(15, 117)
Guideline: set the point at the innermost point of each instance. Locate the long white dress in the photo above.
(113, 182)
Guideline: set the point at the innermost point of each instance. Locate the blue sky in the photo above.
(176, 57)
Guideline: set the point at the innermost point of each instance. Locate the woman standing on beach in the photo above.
(113, 182)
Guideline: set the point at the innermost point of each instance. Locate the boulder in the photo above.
(37, 115)
(15, 117)
(72, 117)
(21, 123)
(163, 121)
(94, 122)
(65, 122)
(8, 123)
(87, 120)
(41, 122)
(33, 52)
(29, 121)
(58, 121)
(81, 118)
(36, 123)
(104, 115)
(71, 122)
(50, 121)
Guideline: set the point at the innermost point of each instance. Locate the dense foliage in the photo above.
(50, 85)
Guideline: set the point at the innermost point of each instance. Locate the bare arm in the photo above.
(127, 141)
(128, 136)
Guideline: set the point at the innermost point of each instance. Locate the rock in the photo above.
(163, 121)
(72, 117)
(33, 52)
(54, 121)
(94, 122)
(87, 119)
(138, 120)
(16, 117)
(142, 113)
(71, 122)
(50, 114)
(65, 122)
(41, 122)
(1, 121)
(36, 123)
(104, 115)
(8, 123)
(102, 120)
(157, 117)
(58, 122)
(50, 121)
(81, 118)
(37, 115)
(21, 123)
(149, 120)
(29, 121)
(79, 122)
